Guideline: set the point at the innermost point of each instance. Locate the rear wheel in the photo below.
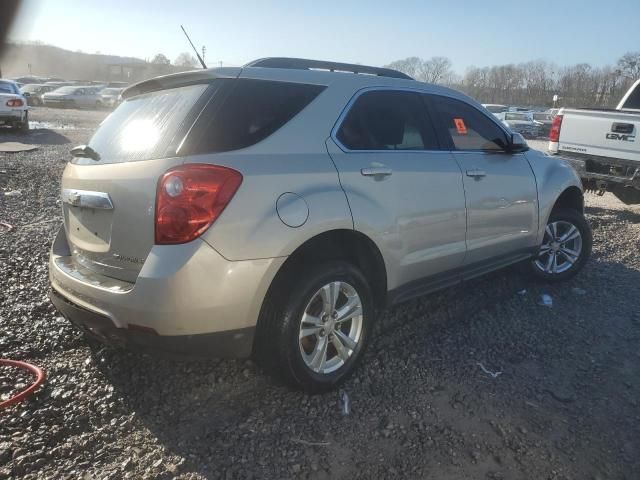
(565, 248)
(315, 328)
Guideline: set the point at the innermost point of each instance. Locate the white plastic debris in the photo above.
(546, 300)
(579, 291)
(522, 292)
(345, 402)
(13, 193)
(488, 372)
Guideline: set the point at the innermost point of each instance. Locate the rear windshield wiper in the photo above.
(85, 151)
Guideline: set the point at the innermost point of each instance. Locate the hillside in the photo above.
(50, 61)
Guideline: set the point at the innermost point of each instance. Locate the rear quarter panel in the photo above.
(293, 159)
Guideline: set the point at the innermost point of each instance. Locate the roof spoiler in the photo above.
(181, 79)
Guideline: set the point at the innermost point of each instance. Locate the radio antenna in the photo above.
(204, 65)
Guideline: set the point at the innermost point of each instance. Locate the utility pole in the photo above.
(204, 51)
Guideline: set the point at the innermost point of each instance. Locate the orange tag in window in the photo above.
(460, 126)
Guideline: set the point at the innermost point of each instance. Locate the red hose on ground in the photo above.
(37, 371)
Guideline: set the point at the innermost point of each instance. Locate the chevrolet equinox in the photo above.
(272, 210)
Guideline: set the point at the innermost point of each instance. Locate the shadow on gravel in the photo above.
(41, 136)
(622, 215)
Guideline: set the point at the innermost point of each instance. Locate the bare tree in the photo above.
(185, 59)
(629, 65)
(410, 66)
(434, 70)
(161, 59)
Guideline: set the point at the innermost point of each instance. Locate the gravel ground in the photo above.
(565, 404)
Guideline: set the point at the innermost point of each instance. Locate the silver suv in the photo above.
(274, 209)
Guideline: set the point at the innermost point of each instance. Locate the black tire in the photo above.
(278, 346)
(575, 218)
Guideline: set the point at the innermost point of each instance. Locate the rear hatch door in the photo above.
(109, 200)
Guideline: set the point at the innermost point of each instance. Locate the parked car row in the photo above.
(526, 121)
(70, 93)
(71, 96)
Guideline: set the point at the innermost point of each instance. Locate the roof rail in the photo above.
(305, 64)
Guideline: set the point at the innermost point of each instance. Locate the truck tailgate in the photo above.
(602, 133)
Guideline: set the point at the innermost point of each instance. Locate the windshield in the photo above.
(496, 108)
(7, 87)
(31, 88)
(144, 127)
(66, 90)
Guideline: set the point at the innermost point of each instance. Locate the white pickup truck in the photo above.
(603, 145)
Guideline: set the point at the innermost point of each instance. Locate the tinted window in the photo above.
(247, 112)
(387, 120)
(468, 128)
(145, 126)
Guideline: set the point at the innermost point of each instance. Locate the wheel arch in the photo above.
(571, 198)
(340, 244)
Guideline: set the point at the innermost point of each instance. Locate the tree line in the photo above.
(532, 83)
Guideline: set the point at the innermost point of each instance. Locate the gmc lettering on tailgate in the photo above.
(621, 136)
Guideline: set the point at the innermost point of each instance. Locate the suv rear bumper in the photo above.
(185, 295)
(227, 344)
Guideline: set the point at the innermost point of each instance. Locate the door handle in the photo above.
(376, 172)
(476, 173)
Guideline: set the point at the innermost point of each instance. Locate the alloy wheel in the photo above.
(331, 327)
(560, 249)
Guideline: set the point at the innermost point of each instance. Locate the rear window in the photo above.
(633, 100)
(543, 117)
(247, 112)
(6, 87)
(146, 126)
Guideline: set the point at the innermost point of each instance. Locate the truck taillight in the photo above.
(15, 102)
(190, 198)
(554, 133)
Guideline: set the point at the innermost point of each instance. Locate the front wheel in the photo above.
(318, 333)
(565, 248)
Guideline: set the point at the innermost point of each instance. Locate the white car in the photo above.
(495, 108)
(14, 110)
(73, 97)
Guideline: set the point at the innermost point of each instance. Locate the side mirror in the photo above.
(517, 143)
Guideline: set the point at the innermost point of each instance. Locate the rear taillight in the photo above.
(15, 102)
(554, 133)
(190, 198)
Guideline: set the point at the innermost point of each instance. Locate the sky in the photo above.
(375, 32)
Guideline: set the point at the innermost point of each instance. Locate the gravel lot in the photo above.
(564, 406)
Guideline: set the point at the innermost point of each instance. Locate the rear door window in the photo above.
(147, 126)
(247, 112)
(466, 126)
(387, 120)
